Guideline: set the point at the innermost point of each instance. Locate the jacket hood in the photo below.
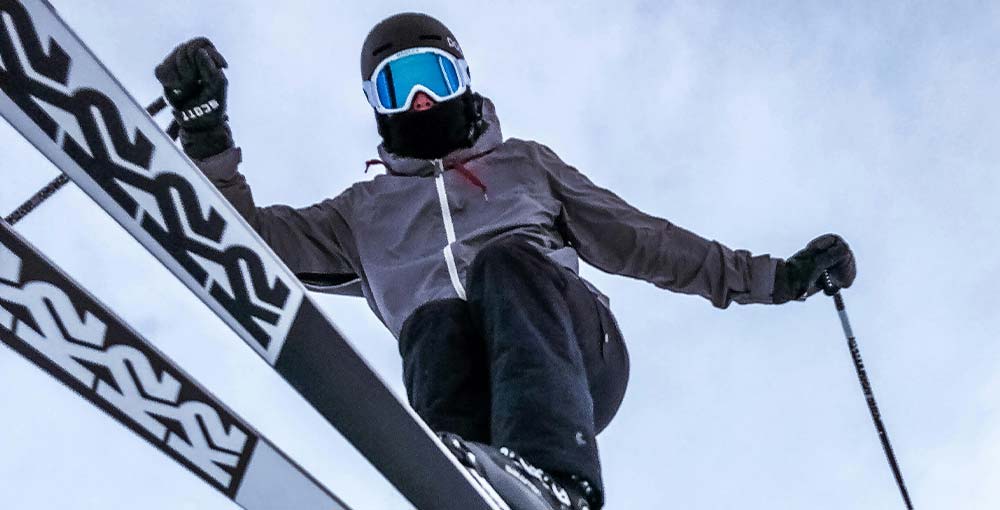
(490, 139)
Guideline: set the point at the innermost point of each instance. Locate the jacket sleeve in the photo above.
(615, 237)
(315, 242)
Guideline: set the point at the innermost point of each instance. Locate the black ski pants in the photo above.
(521, 364)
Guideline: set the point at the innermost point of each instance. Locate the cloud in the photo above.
(758, 124)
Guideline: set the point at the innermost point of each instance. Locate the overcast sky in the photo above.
(758, 124)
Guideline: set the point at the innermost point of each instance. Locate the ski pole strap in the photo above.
(866, 387)
(56, 184)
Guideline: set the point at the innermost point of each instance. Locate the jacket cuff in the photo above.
(221, 167)
(762, 271)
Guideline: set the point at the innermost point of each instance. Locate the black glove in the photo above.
(194, 84)
(800, 275)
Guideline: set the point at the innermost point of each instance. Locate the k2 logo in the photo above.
(165, 207)
(114, 369)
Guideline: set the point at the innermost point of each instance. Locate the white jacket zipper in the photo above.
(449, 229)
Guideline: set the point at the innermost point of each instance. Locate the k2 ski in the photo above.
(58, 326)
(65, 102)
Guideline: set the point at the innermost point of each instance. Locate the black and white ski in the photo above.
(58, 326)
(66, 103)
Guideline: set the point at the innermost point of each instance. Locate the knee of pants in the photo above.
(609, 381)
(439, 333)
(438, 322)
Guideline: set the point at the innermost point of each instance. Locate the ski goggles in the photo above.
(399, 77)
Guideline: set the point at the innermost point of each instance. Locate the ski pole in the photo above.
(42, 195)
(56, 184)
(831, 290)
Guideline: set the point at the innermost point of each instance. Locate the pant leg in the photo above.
(542, 330)
(445, 369)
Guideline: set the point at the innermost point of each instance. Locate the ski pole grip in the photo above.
(157, 106)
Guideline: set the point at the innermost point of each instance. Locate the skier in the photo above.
(467, 249)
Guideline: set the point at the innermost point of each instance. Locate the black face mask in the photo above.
(433, 133)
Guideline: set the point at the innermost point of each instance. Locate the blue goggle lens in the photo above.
(398, 78)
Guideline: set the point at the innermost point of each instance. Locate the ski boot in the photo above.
(515, 484)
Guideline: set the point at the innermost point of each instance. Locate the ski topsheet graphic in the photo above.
(54, 323)
(63, 100)
(74, 111)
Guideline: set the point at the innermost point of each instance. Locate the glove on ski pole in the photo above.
(196, 87)
(832, 289)
(800, 276)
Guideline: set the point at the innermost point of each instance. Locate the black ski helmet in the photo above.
(402, 32)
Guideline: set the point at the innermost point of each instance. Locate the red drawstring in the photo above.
(372, 162)
(471, 177)
(459, 167)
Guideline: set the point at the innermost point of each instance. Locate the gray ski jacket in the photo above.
(407, 237)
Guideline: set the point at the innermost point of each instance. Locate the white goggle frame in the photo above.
(464, 80)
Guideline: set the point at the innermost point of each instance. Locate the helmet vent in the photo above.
(382, 48)
(431, 37)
